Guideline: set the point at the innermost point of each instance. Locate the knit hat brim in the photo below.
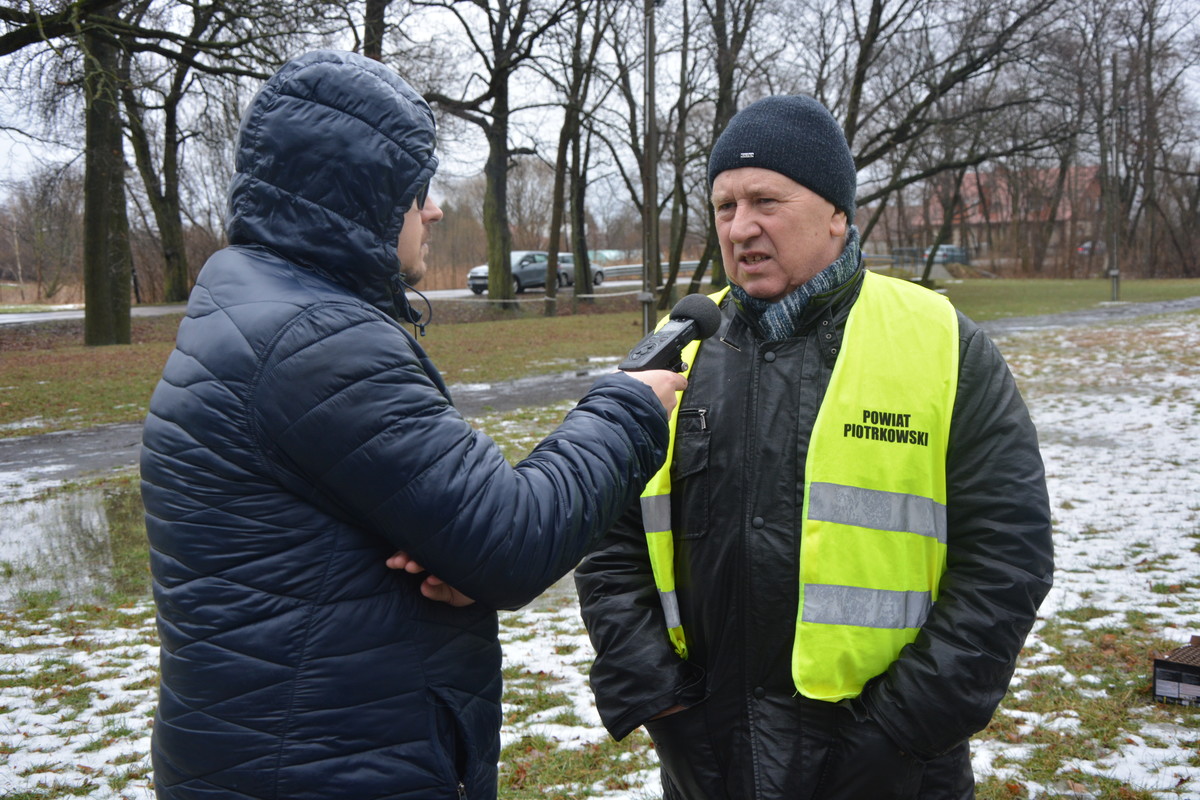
(795, 136)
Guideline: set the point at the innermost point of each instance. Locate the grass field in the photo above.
(50, 382)
(983, 300)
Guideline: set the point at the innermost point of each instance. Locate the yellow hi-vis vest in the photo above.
(656, 510)
(873, 533)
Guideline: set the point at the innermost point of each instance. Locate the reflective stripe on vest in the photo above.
(656, 512)
(873, 535)
(873, 542)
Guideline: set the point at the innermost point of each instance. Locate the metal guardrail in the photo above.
(635, 270)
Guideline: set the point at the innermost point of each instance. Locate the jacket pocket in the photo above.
(894, 774)
(691, 766)
(460, 729)
(689, 472)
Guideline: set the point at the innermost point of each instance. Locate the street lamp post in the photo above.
(1114, 192)
(1115, 271)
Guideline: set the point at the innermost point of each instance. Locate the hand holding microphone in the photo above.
(656, 361)
(696, 316)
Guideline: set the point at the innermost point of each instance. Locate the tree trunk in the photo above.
(556, 212)
(1044, 231)
(710, 248)
(107, 259)
(169, 217)
(495, 205)
(679, 205)
(730, 24)
(943, 235)
(163, 193)
(578, 190)
(579, 78)
(373, 26)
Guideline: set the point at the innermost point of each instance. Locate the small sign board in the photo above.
(1177, 676)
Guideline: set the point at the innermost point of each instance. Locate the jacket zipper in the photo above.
(702, 413)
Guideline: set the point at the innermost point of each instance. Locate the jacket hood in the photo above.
(330, 155)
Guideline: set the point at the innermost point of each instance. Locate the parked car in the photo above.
(947, 254)
(566, 271)
(1087, 248)
(528, 271)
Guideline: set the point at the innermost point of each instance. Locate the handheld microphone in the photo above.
(696, 316)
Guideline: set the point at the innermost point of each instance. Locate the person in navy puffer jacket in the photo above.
(300, 437)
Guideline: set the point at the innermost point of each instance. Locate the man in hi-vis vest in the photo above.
(824, 593)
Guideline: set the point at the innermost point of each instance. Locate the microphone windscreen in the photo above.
(701, 310)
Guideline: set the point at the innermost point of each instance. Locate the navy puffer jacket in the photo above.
(299, 436)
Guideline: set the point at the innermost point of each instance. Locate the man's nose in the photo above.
(744, 225)
(432, 212)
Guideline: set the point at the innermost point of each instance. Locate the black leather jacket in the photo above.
(738, 481)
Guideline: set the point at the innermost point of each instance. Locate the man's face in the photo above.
(775, 234)
(413, 244)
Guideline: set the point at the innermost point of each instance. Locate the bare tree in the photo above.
(1060, 72)
(1161, 47)
(885, 67)
(530, 203)
(170, 88)
(571, 69)
(43, 227)
(932, 94)
(107, 37)
(687, 143)
(502, 38)
(161, 178)
(27, 23)
(107, 260)
(732, 22)
(619, 124)
(704, 87)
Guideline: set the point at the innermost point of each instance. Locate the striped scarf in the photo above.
(778, 320)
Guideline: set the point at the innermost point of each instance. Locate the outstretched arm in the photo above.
(354, 416)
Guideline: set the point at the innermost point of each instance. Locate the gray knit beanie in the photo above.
(795, 136)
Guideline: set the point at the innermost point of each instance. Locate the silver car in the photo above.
(528, 271)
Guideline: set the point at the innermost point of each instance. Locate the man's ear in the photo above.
(838, 224)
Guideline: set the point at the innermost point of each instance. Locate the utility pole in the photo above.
(650, 255)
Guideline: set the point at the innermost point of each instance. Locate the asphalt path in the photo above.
(74, 455)
(30, 317)
(168, 308)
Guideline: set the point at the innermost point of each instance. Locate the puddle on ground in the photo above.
(74, 546)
